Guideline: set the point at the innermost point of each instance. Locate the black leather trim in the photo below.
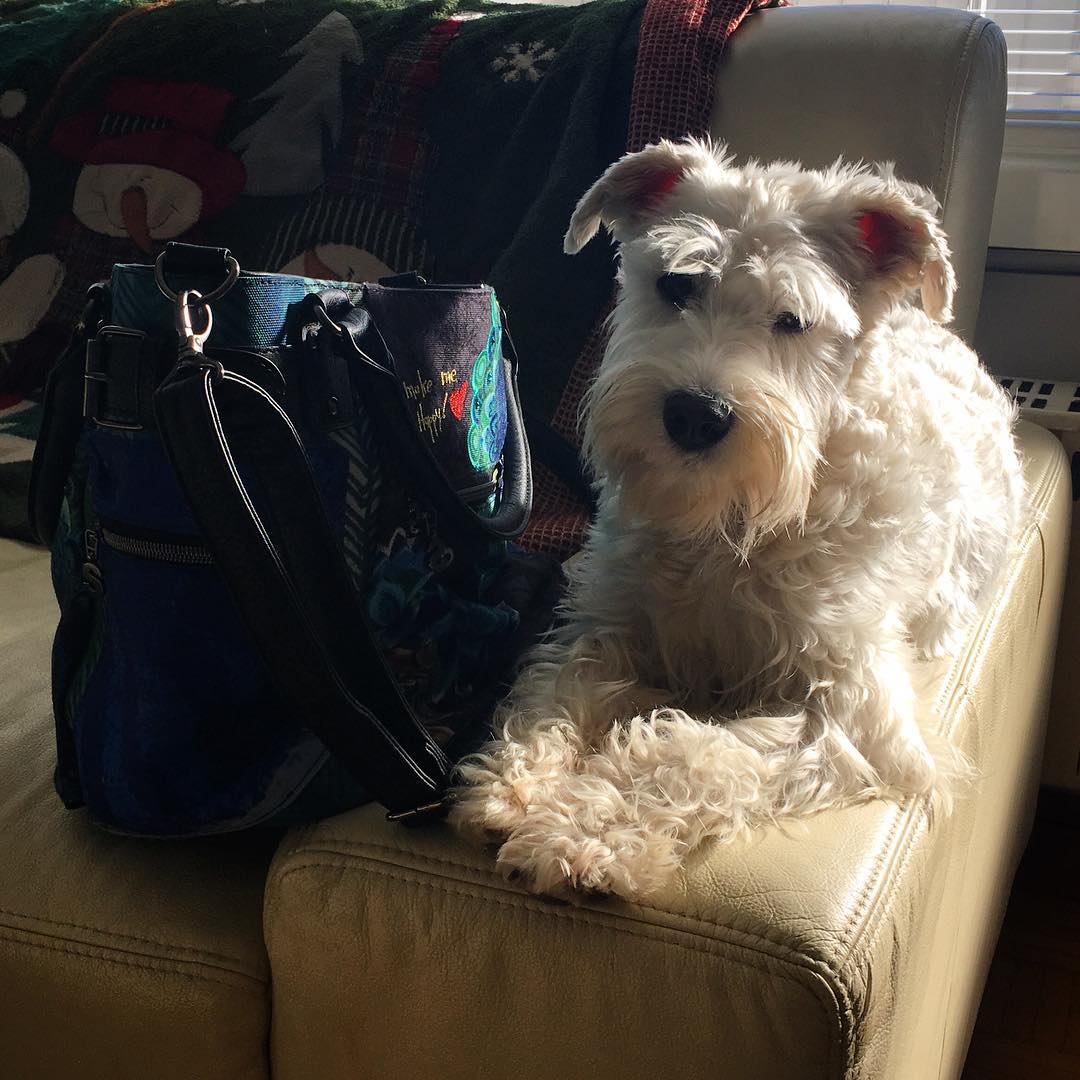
(125, 367)
(194, 259)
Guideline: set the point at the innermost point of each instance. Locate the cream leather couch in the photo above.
(855, 945)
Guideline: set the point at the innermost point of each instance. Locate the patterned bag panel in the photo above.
(446, 345)
(450, 363)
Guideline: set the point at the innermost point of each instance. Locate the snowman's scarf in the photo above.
(341, 139)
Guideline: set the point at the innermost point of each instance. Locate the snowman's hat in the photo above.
(164, 124)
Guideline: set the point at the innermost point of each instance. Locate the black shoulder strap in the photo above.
(62, 407)
(293, 588)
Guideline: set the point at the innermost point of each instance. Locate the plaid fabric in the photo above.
(391, 150)
(679, 47)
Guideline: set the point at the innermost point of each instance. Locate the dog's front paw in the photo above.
(499, 783)
(558, 851)
(485, 806)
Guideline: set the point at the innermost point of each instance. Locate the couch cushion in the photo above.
(119, 959)
(852, 944)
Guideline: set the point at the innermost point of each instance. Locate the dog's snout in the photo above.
(695, 421)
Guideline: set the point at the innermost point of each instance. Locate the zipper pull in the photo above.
(91, 572)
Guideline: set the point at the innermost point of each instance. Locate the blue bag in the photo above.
(280, 543)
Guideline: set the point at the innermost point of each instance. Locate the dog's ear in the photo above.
(632, 189)
(895, 230)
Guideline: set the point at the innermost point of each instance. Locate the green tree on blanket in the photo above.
(282, 151)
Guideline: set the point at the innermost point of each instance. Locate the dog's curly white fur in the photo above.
(739, 635)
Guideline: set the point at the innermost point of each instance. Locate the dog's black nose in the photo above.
(696, 421)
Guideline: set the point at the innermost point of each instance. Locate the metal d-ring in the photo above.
(208, 298)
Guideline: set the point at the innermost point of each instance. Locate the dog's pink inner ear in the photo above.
(882, 234)
(656, 185)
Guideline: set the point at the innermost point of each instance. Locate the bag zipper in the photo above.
(182, 553)
(91, 572)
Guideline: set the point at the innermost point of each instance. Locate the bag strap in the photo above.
(356, 330)
(62, 407)
(293, 589)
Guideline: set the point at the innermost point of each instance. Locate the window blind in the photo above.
(1044, 52)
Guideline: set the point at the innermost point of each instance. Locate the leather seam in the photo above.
(833, 1032)
(875, 915)
(195, 952)
(143, 963)
(952, 112)
(863, 901)
(1042, 577)
(272, 373)
(748, 941)
(920, 823)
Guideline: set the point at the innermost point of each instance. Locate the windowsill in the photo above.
(1039, 184)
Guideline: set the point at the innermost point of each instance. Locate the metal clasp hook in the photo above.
(194, 321)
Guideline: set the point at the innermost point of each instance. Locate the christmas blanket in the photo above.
(341, 139)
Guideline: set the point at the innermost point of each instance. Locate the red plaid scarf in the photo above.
(679, 48)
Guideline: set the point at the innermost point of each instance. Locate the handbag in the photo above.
(281, 513)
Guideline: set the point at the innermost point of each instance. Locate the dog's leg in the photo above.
(567, 695)
(878, 710)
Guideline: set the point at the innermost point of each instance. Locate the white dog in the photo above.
(805, 484)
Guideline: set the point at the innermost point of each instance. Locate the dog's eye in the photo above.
(789, 323)
(677, 289)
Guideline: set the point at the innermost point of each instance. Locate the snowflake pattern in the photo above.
(523, 61)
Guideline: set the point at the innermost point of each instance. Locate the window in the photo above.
(1039, 183)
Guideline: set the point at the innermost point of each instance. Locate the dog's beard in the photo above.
(754, 484)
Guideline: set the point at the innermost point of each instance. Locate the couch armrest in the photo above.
(854, 944)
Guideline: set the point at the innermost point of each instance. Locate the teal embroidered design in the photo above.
(484, 412)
